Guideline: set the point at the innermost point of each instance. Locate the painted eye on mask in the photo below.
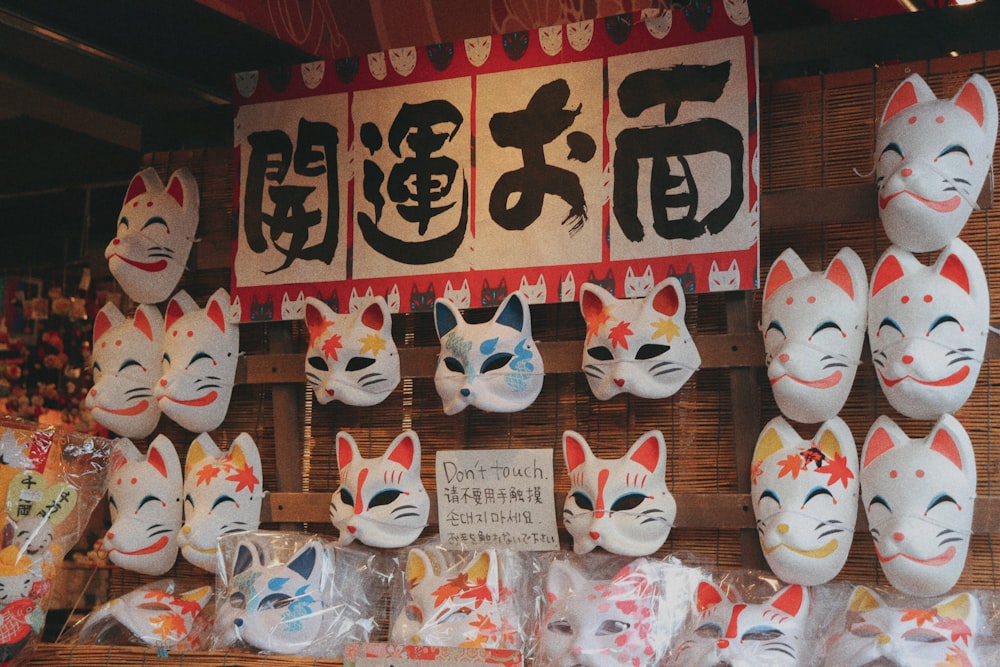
(583, 501)
(762, 634)
(601, 353)
(496, 362)
(386, 497)
(612, 627)
(276, 601)
(359, 363)
(709, 631)
(319, 363)
(346, 497)
(651, 351)
(560, 627)
(627, 502)
(454, 365)
(238, 601)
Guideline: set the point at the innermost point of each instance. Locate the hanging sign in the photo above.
(616, 151)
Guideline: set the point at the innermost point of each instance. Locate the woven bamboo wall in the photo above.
(817, 133)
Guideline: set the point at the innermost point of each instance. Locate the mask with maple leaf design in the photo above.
(915, 635)
(458, 604)
(805, 499)
(494, 366)
(154, 614)
(637, 346)
(593, 620)
(381, 500)
(351, 358)
(222, 494)
(918, 494)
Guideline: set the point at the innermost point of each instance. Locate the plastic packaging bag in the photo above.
(293, 593)
(50, 482)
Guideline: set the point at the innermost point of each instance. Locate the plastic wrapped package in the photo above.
(748, 619)
(465, 598)
(293, 593)
(50, 481)
(864, 625)
(165, 614)
(608, 610)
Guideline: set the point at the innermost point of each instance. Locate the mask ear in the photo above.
(575, 450)
(246, 558)
(305, 561)
(446, 317)
(708, 596)
(513, 312)
(107, 317)
(217, 308)
(650, 452)
(888, 271)
(138, 186)
(667, 298)
(784, 269)
(405, 449)
(913, 90)
(375, 314)
(864, 599)
(347, 450)
(769, 442)
(418, 566)
(317, 316)
(178, 305)
(792, 600)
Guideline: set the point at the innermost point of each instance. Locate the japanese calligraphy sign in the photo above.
(617, 151)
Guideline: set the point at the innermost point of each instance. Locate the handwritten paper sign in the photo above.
(497, 498)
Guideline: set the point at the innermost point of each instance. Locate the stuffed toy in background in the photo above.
(156, 229)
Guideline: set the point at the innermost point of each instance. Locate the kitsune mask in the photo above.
(222, 495)
(381, 501)
(637, 346)
(157, 617)
(276, 605)
(932, 158)
(457, 604)
(915, 635)
(593, 623)
(622, 505)
(144, 495)
(200, 354)
(739, 634)
(351, 358)
(805, 499)
(927, 329)
(918, 494)
(493, 366)
(156, 229)
(127, 355)
(814, 329)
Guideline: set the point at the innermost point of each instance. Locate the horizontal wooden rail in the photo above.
(744, 350)
(725, 511)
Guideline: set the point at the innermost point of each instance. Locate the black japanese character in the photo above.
(529, 129)
(673, 192)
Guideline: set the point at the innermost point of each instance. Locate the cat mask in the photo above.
(156, 228)
(200, 354)
(637, 346)
(814, 329)
(144, 495)
(931, 159)
(927, 329)
(351, 358)
(381, 501)
(622, 505)
(274, 603)
(805, 499)
(915, 635)
(597, 622)
(732, 632)
(156, 616)
(128, 354)
(493, 366)
(918, 494)
(458, 604)
(222, 494)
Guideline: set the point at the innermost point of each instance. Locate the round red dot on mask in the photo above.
(939, 120)
(790, 301)
(893, 474)
(928, 298)
(920, 474)
(912, 120)
(905, 299)
(811, 299)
